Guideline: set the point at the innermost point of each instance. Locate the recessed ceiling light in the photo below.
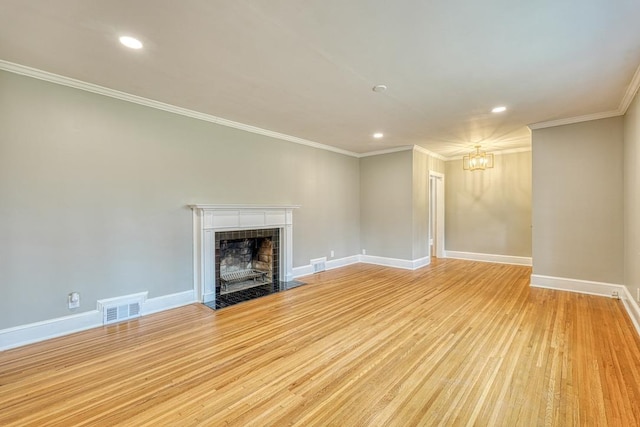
(378, 135)
(499, 109)
(131, 42)
(379, 88)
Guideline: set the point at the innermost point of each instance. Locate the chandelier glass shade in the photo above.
(477, 160)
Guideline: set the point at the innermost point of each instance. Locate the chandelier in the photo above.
(477, 160)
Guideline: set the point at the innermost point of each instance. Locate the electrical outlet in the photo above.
(332, 254)
(615, 295)
(364, 252)
(73, 299)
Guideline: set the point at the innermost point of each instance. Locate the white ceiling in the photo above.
(306, 68)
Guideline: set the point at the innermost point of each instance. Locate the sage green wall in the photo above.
(94, 194)
(632, 197)
(489, 212)
(422, 165)
(578, 201)
(386, 204)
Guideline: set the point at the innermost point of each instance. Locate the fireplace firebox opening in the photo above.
(246, 262)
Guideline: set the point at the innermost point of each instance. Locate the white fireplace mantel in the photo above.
(209, 219)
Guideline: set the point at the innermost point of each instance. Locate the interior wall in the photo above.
(578, 201)
(632, 197)
(422, 165)
(489, 212)
(94, 194)
(386, 205)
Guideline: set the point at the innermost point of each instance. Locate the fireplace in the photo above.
(246, 259)
(232, 247)
(245, 263)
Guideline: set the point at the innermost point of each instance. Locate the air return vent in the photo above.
(319, 264)
(116, 313)
(121, 308)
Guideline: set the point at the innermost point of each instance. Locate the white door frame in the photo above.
(436, 213)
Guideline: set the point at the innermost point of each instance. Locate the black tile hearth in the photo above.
(227, 300)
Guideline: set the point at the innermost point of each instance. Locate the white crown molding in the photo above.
(100, 90)
(123, 96)
(403, 148)
(429, 153)
(387, 151)
(573, 120)
(632, 89)
(626, 100)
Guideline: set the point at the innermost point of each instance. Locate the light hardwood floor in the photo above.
(454, 343)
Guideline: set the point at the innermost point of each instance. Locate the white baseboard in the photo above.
(342, 262)
(591, 288)
(395, 262)
(304, 270)
(500, 259)
(52, 328)
(575, 285)
(39, 331)
(632, 308)
(209, 297)
(406, 264)
(166, 302)
(307, 270)
(387, 262)
(421, 262)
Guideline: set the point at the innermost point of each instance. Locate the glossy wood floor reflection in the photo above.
(454, 343)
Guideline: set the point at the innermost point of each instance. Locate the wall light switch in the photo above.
(332, 254)
(74, 299)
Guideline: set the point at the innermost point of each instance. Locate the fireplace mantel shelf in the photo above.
(242, 217)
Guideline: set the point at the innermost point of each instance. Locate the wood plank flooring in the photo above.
(454, 343)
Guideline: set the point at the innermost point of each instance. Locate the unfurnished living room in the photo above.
(314, 213)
